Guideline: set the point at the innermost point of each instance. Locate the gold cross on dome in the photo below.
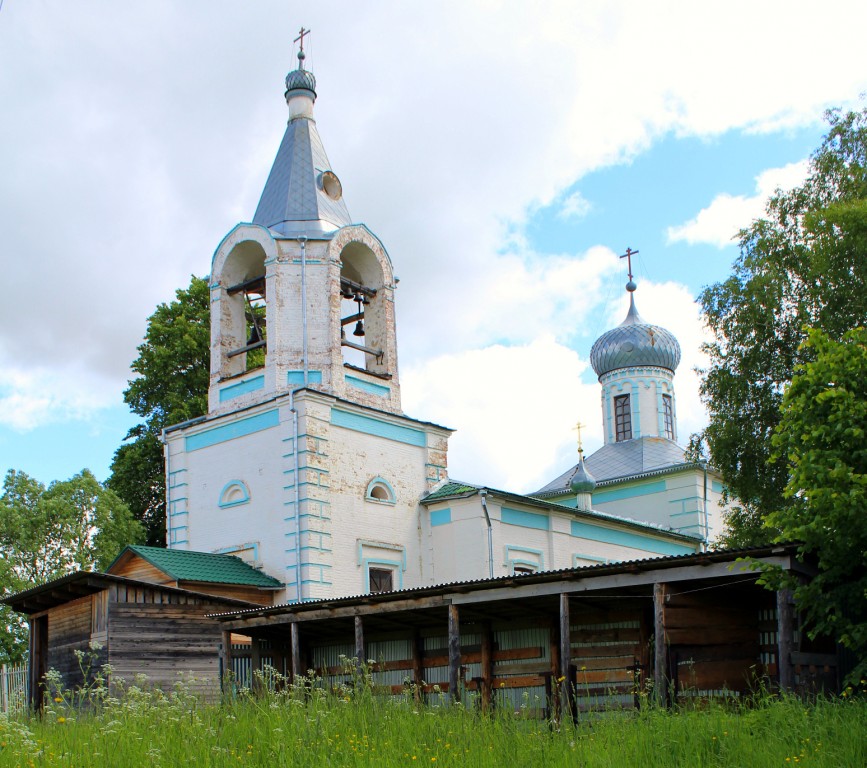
(628, 256)
(577, 428)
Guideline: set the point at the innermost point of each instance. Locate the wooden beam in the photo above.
(226, 661)
(295, 641)
(454, 653)
(785, 632)
(660, 649)
(417, 649)
(554, 688)
(255, 663)
(487, 659)
(565, 679)
(360, 658)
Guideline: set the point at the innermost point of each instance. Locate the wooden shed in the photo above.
(147, 616)
(583, 638)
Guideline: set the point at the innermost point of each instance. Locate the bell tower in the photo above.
(301, 296)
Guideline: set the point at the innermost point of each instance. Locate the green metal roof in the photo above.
(184, 565)
(450, 490)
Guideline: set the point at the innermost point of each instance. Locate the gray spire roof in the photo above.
(296, 199)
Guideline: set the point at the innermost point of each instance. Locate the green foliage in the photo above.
(173, 367)
(821, 440)
(45, 533)
(306, 726)
(802, 265)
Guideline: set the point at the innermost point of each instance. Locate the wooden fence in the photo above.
(13, 687)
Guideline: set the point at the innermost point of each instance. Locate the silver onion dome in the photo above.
(634, 342)
(582, 481)
(300, 80)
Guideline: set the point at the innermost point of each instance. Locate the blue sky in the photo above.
(504, 154)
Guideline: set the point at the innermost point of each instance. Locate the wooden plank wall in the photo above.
(610, 649)
(236, 591)
(715, 641)
(135, 567)
(69, 630)
(164, 641)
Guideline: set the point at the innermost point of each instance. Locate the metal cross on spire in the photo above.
(577, 428)
(628, 256)
(300, 39)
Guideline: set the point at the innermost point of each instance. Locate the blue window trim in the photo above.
(513, 558)
(393, 565)
(392, 497)
(245, 491)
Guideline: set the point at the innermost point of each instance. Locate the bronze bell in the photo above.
(359, 329)
(255, 338)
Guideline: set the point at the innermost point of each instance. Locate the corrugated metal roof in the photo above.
(588, 571)
(626, 459)
(206, 567)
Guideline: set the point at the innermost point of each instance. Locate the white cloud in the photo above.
(719, 223)
(575, 206)
(137, 134)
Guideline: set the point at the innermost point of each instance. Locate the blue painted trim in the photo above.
(245, 494)
(381, 545)
(626, 539)
(392, 498)
(524, 519)
(240, 428)
(378, 428)
(231, 550)
(368, 386)
(242, 388)
(512, 561)
(296, 378)
(716, 486)
(440, 517)
(617, 494)
(576, 556)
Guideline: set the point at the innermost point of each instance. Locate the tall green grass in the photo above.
(305, 725)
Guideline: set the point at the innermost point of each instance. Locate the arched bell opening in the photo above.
(363, 323)
(243, 316)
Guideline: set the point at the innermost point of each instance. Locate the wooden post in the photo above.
(255, 663)
(487, 667)
(454, 653)
(226, 661)
(296, 652)
(565, 679)
(553, 689)
(417, 666)
(660, 649)
(785, 632)
(360, 658)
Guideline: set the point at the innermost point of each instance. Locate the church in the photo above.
(310, 520)
(306, 466)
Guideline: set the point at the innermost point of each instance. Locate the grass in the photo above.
(308, 726)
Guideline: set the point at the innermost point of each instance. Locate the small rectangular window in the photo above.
(622, 418)
(668, 416)
(523, 570)
(381, 580)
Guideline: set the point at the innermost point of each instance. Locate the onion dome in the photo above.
(582, 481)
(634, 343)
(300, 79)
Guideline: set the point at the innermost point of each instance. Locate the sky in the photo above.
(505, 153)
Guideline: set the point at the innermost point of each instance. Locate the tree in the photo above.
(821, 441)
(73, 525)
(801, 266)
(173, 367)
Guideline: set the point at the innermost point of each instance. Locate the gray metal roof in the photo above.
(624, 459)
(294, 202)
(634, 342)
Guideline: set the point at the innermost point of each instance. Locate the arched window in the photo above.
(234, 492)
(380, 490)
(363, 316)
(242, 312)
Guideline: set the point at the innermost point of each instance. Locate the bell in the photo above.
(255, 338)
(359, 329)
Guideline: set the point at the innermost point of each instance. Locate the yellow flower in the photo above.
(58, 699)
(583, 669)
(61, 719)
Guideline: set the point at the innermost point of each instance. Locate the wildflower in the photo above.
(561, 678)
(61, 719)
(58, 699)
